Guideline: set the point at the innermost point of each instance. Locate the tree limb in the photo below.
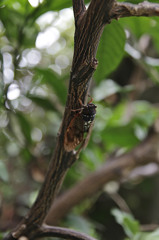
(124, 9)
(48, 231)
(116, 168)
(88, 30)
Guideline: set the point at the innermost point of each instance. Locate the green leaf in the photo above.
(147, 236)
(7, 19)
(130, 225)
(110, 50)
(152, 236)
(140, 26)
(42, 102)
(141, 108)
(26, 155)
(56, 83)
(21, 33)
(123, 136)
(25, 126)
(3, 172)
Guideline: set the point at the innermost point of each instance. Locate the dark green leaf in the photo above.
(111, 50)
(26, 155)
(21, 32)
(25, 126)
(123, 136)
(7, 19)
(42, 102)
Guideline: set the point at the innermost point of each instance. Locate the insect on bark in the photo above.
(80, 124)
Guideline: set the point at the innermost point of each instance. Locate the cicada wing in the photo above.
(74, 133)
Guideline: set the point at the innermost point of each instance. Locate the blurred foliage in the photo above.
(36, 49)
(113, 35)
(132, 227)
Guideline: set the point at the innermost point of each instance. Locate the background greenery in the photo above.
(36, 48)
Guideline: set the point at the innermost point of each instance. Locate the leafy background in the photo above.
(36, 48)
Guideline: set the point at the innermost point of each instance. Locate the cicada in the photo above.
(79, 125)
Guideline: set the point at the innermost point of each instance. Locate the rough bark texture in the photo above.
(89, 27)
(122, 9)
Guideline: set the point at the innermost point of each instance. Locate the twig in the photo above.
(120, 202)
(123, 9)
(48, 231)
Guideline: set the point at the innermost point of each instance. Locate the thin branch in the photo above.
(123, 9)
(87, 36)
(116, 168)
(48, 231)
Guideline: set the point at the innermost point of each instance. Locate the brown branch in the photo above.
(123, 9)
(88, 30)
(116, 168)
(79, 9)
(48, 231)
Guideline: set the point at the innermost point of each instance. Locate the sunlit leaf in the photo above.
(130, 225)
(106, 89)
